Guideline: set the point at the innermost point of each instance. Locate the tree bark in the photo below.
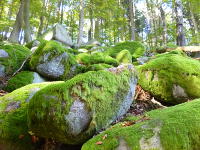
(179, 23)
(81, 23)
(14, 37)
(164, 26)
(27, 29)
(132, 19)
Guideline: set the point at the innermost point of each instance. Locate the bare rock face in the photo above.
(73, 111)
(59, 33)
(3, 54)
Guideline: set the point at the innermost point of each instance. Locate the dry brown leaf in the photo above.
(105, 136)
(99, 143)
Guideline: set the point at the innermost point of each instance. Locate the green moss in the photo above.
(97, 67)
(176, 127)
(30, 44)
(165, 71)
(21, 79)
(124, 56)
(101, 91)
(135, 48)
(13, 118)
(54, 49)
(17, 54)
(89, 59)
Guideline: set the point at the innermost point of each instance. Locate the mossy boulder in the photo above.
(14, 132)
(171, 77)
(53, 61)
(136, 49)
(172, 128)
(97, 67)
(11, 58)
(22, 79)
(73, 111)
(89, 59)
(124, 57)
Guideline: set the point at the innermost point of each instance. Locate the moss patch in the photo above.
(17, 54)
(175, 128)
(135, 48)
(167, 71)
(21, 79)
(124, 57)
(89, 59)
(13, 118)
(102, 92)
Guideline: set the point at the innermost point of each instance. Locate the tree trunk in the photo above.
(14, 37)
(179, 23)
(132, 19)
(96, 33)
(164, 26)
(27, 29)
(81, 23)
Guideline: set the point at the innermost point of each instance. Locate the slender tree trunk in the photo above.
(81, 23)
(195, 25)
(27, 29)
(179, 23)
(132, 19)
(96, 33)
(90, 33)
(164, 26)
(42, 17)
(62, 12)
(14, 37)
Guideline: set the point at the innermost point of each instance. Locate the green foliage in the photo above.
(124, 57)
(167, 70)
(135, 48)
(175, 127)
(17, 54)
(21, 79)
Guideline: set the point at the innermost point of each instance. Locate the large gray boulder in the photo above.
(52, 60)
(73, 111)
(59, 33)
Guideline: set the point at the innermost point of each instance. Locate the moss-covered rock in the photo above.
(23, 78)
(171, 77)
(89, 59)
(135, 48)
(97, 67)
(173, 128)
(124, 57)
(52, 60)
(14, 132)
(73, 111)
(11, 58)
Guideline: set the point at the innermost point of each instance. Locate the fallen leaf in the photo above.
(99, 143)
(105, 136)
